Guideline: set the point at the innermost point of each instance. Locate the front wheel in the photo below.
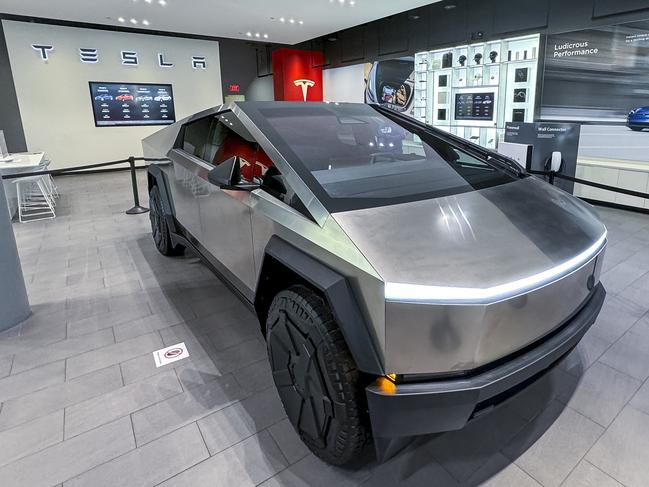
(636, 129)
(316, 376)
(159, 227)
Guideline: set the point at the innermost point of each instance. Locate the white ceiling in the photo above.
(220, 18)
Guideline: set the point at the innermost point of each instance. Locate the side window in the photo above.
(217, 138)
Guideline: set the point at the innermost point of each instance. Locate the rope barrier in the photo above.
(552, 175)
(135, 210)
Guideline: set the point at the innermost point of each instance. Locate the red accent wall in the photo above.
(293, 64)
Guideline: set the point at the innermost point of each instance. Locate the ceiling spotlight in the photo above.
(265, 36)
(341, 2)
(352, 2)
(145, 22)
(300, 22)
(148, 1)
(133, 21)
(249, 34)
(162, 2)
(121, 19)
(257, 34)
(291, 20)
(282, 19)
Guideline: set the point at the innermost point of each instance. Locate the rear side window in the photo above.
(217, 138)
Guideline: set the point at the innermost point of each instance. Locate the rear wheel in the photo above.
(636, 129)
(159, 227)
(316, 376)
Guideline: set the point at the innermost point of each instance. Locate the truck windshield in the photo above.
(359, 158)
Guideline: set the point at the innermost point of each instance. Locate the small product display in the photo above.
(477, 58)
(443, 80)
(442, 97)
(441, 114)
(518, 115)
(124, 104)
(493, 56)
(520, 75)
(447, 60)
(462, 60)
(520, 95)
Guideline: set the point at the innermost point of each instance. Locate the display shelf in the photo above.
(500, 72)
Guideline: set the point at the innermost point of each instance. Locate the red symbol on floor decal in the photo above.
(174, 352)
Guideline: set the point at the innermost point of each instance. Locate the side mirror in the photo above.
(227, 175)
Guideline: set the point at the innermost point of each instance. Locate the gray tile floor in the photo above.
(84, 405)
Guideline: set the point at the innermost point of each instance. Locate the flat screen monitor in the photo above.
(125, 104)
(475, 106)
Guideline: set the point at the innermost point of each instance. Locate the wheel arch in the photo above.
(157, 177)
(285, 265)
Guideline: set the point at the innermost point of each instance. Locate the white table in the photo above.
(20, 162)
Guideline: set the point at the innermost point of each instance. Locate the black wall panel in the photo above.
(10, 121)
(264, 67)
(393, 35)
(354, 44)
(602, 8)
(447, 26)
(520, 15)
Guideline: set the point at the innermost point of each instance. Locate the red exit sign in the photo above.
(235, 88)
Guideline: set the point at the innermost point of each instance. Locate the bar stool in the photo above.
(35, 202)
(49, 180)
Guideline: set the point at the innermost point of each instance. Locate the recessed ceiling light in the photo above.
(148, 1)
(282, 19)
(145, 22)
(450, 6)
(162, 2)
(249, 34)
(352, 2)
(257, 34)
(133, 21)
(300, 22)
(265, 36)
(341, 1)
(291, 20)
(121, 19)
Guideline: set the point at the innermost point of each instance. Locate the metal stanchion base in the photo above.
(137, 210)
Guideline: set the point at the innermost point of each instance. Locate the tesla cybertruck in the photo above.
(406, 281)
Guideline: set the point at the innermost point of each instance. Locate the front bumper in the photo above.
(638, 123)
(411, 409)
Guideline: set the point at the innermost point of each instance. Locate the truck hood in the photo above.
(481, 246)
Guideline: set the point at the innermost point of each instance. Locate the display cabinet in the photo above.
(473, 90)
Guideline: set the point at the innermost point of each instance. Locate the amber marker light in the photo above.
(386, 384)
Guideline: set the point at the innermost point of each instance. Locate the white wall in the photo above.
(54, 97)
(344, 84)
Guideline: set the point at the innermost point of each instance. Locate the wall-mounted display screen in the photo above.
(474, 106)
(123, 104)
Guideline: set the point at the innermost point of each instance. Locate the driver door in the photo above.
(224, 216)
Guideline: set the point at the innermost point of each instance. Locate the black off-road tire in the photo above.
(316, 377)
(159, 227)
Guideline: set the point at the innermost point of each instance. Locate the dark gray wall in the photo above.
(435, 25)
(10, 121)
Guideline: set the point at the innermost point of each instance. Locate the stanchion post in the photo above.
(137, 209)
(551, 177)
